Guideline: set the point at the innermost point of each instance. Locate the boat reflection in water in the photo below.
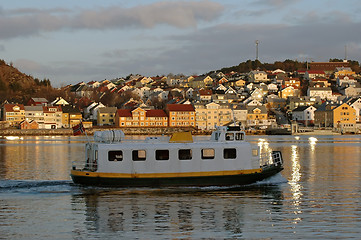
(182, 213)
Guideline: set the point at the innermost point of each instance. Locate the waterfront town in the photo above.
(324, 95)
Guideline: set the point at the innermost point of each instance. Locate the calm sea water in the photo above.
(318, 195)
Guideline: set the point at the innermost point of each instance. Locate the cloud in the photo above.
(276, 3)
(183, 14)
(229, 44)
(226, 45)
(311, 17)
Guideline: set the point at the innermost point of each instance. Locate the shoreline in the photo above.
(140, 131)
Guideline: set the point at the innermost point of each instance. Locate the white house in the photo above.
(304, 114)
(163, 95)
(59, 101)
(189, 94)
(240, 114)
(350, 91)
(272, 87)
(356, 104)
(323, 93)
(345, 80)
(138, 92)
(145, 92)
(257, 94)
(221, 87)
(35, 113)
(311, 74)
(252, 102)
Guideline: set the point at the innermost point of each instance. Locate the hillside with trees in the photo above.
(16, 86)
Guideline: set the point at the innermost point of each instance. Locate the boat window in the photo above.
(185, 154)
(229, 153)
(229, 136)
(162, 154)
(207, 153)
(115, 155)
(255, 152)
(239, 136)
(138, 155)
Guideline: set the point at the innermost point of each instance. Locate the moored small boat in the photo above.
(225, 159)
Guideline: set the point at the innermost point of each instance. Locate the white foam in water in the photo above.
(34, 186)
(274, 180)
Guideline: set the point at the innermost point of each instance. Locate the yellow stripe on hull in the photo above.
(164, 175)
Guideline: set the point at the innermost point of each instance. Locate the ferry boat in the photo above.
(224, 159)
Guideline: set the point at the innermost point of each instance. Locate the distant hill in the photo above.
(16, 86)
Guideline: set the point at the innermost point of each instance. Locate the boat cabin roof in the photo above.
(221, 134)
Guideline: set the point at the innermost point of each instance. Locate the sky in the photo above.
(86, 40)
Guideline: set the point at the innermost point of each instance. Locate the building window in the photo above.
(185, 154)
(139, 155)
(207, 153)
(115, 156)
(162, 154)
(229, 153)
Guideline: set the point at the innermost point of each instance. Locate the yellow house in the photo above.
(256, 115)
(141, 118)
(294, 82)
(344, 116)
(201, 116)
(288, 92)
(200, 82)
(344, 71)
(71, 116)
(106, 116)
(240, 83)
(225, 114)
(14, 113)
(65, 119)
(208, 81)
(210, 115)
(181, 115)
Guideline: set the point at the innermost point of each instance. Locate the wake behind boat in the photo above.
(225, 159)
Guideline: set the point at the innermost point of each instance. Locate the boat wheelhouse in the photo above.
(224, 159)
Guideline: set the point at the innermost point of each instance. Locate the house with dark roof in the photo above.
(29, 124)
(205, 95)
(71, 116)
(311, 74)
(340, 116)
(37, 102)
(181, 115)
(304, 115)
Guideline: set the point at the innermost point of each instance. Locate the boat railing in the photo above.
(277, 158)
(84, 166)
(271, 158)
